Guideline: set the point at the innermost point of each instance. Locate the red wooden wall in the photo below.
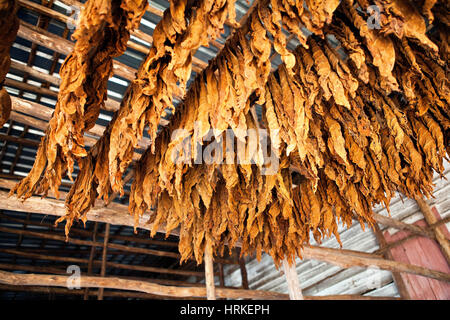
(424, 252)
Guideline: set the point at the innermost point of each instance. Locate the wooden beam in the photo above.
(65, 47)
(294, 289)
(65, 291)
(394, 244)
(244, 276)
(17, 140)
(29, 87)
(42, 125)
(346, 260)
(91, 259)
(133, 285)
(35, 73)
(440, 222)
(104, 258)
(124, 248)
(110, 104)
(8, 181)
(198, 64)
(52, 236)
(187, 273)
(209, 273)
(116, 214)
(390, 222)
(430, 218)
(49, 269)
(45, 113)
(141, 295)
(86, 233)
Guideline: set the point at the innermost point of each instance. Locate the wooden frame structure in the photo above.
(108, 221)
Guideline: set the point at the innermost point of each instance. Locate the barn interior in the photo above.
(92, 208)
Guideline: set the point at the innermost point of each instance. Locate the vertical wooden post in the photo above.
(221, 275)
(105, 248)
(91, 259)
(243, 270)
(209, 273)
(402, 290)
(440, 236)
(295, 292)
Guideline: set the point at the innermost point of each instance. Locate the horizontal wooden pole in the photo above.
(198, 64)
(187, 273)
(110, 104)
(141, 295)
(125, 248)
(35, 73)
(53, 270)
(42, 125)
(115, 214)
(439, 223)
(80, 292)
(26, 142)
(58, 44)
(45, 113)
(29, 87)
(51, 236)
(133, 285)
(393, 223)
(9, 181)
(345, 260)
(87, 233)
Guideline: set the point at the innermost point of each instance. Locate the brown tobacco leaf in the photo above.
(413, 23)
(352, 47)
(338, 158)
(9, 25)
(102, 34)
(380, 47)
(328, 79)
(146, 99)
(426, 9)
(5, 106)
(336, 141)
(168, 63)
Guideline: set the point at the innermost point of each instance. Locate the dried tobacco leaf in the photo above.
(9, 25)
(102, 34)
